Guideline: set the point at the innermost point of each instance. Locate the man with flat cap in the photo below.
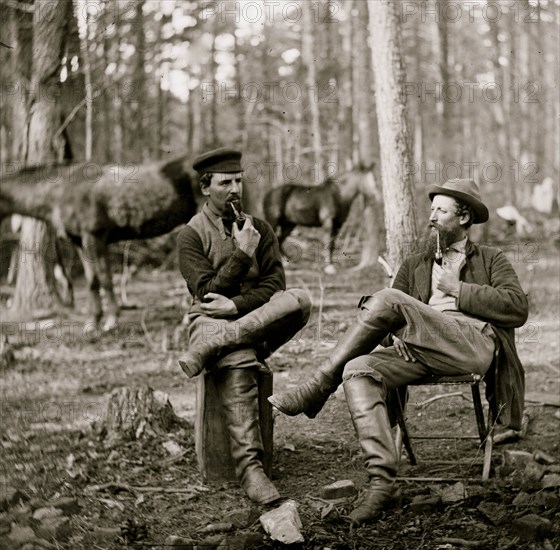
(451, 307)
(241, 311)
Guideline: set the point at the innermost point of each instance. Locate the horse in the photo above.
(326, 205)
(93, 206)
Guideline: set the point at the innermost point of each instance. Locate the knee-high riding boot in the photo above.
(251, 330)
(375, 321)
(239, 398)
(365, 398)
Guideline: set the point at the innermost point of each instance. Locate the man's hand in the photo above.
(216, 305)
(402, 349)
(448, 282)
(247, 238)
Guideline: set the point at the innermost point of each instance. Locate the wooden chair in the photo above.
(485, 428)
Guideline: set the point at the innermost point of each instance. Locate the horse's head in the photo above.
(361, 180)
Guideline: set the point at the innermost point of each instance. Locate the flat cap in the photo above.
(222, 160)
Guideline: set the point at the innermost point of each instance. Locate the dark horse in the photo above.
(325, 205)
(94, 206)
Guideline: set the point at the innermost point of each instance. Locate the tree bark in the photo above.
(400, 216)
(308, 57)
(82, 19)
(35, 286)
(364, 156)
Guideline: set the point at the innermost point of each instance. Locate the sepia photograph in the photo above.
(280, 274)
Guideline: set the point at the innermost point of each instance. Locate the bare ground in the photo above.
(55, 393)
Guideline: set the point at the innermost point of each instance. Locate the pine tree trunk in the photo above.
(364, 156)
(400, 216)
(35, 287)
(308, 55)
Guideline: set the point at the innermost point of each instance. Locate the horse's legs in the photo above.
(283, 231)
(106, 277)
(331, 229)
(88, 257)
(67, 290)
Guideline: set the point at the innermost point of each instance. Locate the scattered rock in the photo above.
(522, 499)
(20, 535)
(517, 459)
(454, 493)
(423, 504)
(339, 489)
(496, 514)
(50, 512)
(283, 523)
(184, 544)
(546, 499)
(174, 449)
(532, 527)
(543, 458)
(54, 528)
(221, 527)
(550, 481)
(534, 471)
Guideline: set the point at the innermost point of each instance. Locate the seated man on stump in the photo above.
(452, 306)
(241, 311)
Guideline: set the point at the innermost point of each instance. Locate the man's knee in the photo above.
(361, 366)
(304, 300)
(381, 301)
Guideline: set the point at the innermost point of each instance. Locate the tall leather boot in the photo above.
(374, 322)
(239, 398)
(365, 398)
(251, 330)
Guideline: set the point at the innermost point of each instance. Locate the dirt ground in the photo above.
(136, 493)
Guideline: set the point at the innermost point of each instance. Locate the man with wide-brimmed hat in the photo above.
(451, 306)
(241, 311)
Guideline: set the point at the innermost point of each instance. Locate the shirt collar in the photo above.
(458, 246)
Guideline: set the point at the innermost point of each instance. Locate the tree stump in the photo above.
(211, 434)
(131, 412)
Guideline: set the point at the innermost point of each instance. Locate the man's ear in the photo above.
(205, 190)
(464, 219)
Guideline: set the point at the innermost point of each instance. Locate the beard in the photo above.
(427, 244)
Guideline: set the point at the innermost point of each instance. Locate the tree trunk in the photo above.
(142, 146)
(35, 286)
(308, 57)
(364, 154)
(400, 216)
(82, 19)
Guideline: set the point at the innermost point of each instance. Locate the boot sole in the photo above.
(277, 405)
(310, 414)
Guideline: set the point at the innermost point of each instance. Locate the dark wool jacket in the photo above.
(210, 261)
(490, 291)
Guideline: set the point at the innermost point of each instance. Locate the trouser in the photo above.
(252, 337)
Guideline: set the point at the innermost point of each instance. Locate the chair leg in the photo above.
(488, 445)
(403, 435)
(479, 412)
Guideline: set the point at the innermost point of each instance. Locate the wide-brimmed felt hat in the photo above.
(224, 160)
(466, 191)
